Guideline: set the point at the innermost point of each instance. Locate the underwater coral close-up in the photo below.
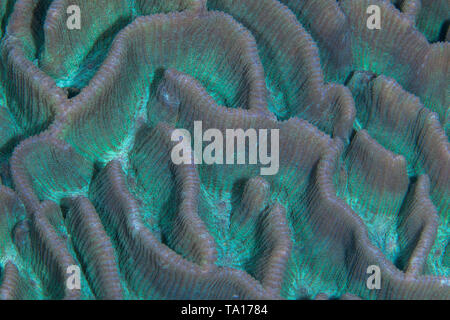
(341, 184)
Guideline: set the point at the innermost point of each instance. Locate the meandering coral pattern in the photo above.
(86, 117)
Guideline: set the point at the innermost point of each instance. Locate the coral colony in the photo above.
(224, 149)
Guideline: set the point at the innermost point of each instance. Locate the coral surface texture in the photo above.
(354, 94)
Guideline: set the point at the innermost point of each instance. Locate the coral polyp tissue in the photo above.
(87, 180)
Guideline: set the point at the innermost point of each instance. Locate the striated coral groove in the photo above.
(9, 285)
(398, 121)
(276, 244)
(296, 70)
(95, 248)
(357, 251)
(432, 19)
(398, 50)
(152, 268)
(117, 119)
(196, 105)
(36, 108)
(418, 226)
(329, 27)
(377, 177)
(49, 253)
(184, 230)
(34, 183)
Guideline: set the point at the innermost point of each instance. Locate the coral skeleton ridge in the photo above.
(86, 175)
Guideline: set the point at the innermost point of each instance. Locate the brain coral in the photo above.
(86, 118)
